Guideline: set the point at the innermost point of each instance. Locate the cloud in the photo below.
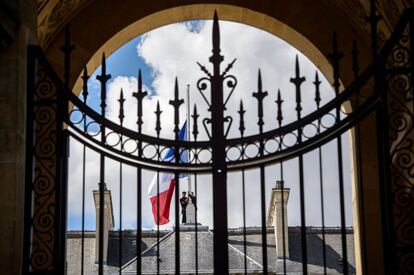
(172, 51)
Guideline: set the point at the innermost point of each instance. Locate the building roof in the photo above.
(188, 263)
(205, 251)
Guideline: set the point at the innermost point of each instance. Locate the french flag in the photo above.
(166, 184)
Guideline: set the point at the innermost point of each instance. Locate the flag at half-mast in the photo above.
(166, 184)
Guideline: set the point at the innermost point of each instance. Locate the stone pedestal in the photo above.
(190, 213)
(278, 219)
(108, 222)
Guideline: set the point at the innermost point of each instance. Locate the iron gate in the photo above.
(384, 89)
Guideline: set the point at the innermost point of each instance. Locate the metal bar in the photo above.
(283, 221)
(411, 27)
(322, 207)
(62, 154)
(342, 203)
(139, 95)
(158, 220)
(384, 168)
(85, 93)
(139, 219)
(103, 78)
(358, 164)
(303, 217)
(318, 99)
(336, 56)
(196, 225)
(244, 220)
(101, 213)
(297, 81)
(28, 196)
(373, 20)
(177, 221)
(188, 131)
(279, 119)
(83, 208)
(61, 199)
(120, 217)
(195, 133)
(263, 215)
(260, 95)
(221, 261)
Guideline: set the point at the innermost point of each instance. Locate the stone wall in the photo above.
(12, 135)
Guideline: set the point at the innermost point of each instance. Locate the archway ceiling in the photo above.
(53, 15)
(98, 21)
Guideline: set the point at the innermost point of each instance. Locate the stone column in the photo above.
(17, 29)
(108, 222)
(190, 212)
(275, 218)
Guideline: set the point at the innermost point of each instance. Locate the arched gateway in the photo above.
(383, 90)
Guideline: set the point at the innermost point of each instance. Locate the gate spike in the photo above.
(279, 103)
(216, 34)
(355, 65)
(260, 95)
(228, 68)
(176, 104)
(195, 121)
(259, 81)
(335, 56)
(158, 120)
(297, 81)
(317, 83)
(103, 78)
(204, 69)
(121, 101)
(241, 113)
(373, 20)
(67, 49)
(85, 78)
(216, 58)
(139, 95)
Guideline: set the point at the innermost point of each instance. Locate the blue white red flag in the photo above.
(166, 185)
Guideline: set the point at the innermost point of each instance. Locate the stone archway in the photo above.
(309, 31)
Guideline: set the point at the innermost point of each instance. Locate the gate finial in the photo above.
(121, 101)
(216, 58)
(373, 19)
(176, 104)
(317, 83)
(195, 120)
(336, 57)
(297, 81)
(241, 112)
(103, 78)
(260, 95)
(216, 34)
(85, 78)
(139, 95)
(158, 120)
(67, 49)
(279, 102)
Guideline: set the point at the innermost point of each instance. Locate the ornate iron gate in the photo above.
(384, 89)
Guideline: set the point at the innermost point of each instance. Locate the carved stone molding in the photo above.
(53, 15)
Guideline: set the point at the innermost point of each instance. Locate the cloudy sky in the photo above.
(172, 51)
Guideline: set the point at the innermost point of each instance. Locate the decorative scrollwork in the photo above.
(401, 144)
(45, 164)
(400, 55)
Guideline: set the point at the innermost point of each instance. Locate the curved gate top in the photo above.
(56, 113)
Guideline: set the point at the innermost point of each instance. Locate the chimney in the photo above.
(108, 222)
(278, 211)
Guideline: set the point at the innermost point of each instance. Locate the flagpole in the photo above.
(188, 133)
